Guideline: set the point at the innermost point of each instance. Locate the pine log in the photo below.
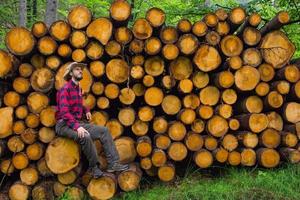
(6, 166)
(47, 45)
(144, 146)
(19, 127)
(177, 151)
(229, 96)
(253, 122)
(145, 163)
(207, 58)
(199, 28)
(136, 46)
(283, 87)
(291, 112)
(275, 121)
(19, 41)
(42, 80)
(234, 62)
(290, 155)
(191, 101)
(289, 139)
(29, 176)
(176, 131)
(39, 29)
(251, 36)
(25, 69)
(200, 79)
(79, 55)
(223, 28)
(184, 26)
(187, 44)
(252, 57)
(43, 168)
(169, 35)
(262, 89)
(29, 136)
(129, 180)
(221, 14)
(246, 78)
(32, 120)
(158, 157)
(231, 45)
(251, 104)
(224, 79)
(193, 141)
(289, 72)
(140, 128)
(153, 96)
(266, 71)
(6, 63)
(205, 112)
(126, 149)
(113, 48)
(100, 29)
(234, 124)
(43, 190)
(154, 66)
(117, 70)
(15, 144)
(156, 17)
(198, 126)
(12, 99)
(60, 30)
(248, 157)
(162, 141)
(170, 51)
(19, 191)
(213, 38)
(171, 104)
(270, 138)
(276, 43)
(53, 62)
(224, 110)
(276, 23)
(20, 161)
(209, 95)
(203, 158)
(64, 50)
(268, 158)
(79, 17)
(181, 68)
(142, 29)
(167, 172)
(37, 101)
(248, 139)
(38, 60)
(78, 39)
(103, 188)
(187, 116)
(160, 125)
(234, 158)
(229, 142)
(211, 19)
(146, 113)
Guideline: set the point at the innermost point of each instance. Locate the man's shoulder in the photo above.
(65, 88)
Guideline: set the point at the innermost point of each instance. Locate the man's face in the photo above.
(77, 73)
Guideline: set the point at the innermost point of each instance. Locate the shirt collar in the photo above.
(71, 82)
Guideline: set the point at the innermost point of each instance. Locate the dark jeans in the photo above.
(86, 143)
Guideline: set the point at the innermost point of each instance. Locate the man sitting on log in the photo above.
(70, 123)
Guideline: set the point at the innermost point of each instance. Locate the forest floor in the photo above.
(226, 183)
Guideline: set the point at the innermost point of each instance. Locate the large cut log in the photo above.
(276, 49)
(129, 180)
(207, 58)
(79, 17)
(19, 191)
(6, 124)
(103, 188)
(62, 155)
(142, 29)
(60, 30)
(276, 23)
(100, 29)
(19, 41)
(120, 10)
(268, 158)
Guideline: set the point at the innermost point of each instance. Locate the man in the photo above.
(70, 123)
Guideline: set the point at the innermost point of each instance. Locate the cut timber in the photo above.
(169, 35)
(234, 62)
(177, 151)
(237, 15)
(292, 112)
(248, 157)
(207, 58)
(276, 23)
(19, 191)
(6, 166)
(47, 116)
(246, 78)
(162, 141)
(115, 128)
(290, 155)
(136, 46)
(273, 100)
(187, 44)
(19, 41)
(35, 151)
(200, 79)
(262, 89)
(211, 19)
(254, 19)
(276, 49)
(78, 39)
(6, 124)
(252, 104)
(266, 71)
(29, 136)
(234, 124)
(64, 50)
(167, 172)
(46, 135)
(100, 29)
(37, 101)
(144, 146)
(42, 80)
(62, 155)
(25, 69)
(275, 121)
(268, 158)
(67, 178)
(176, 131)
(156, 17)
(210, 143)
(160, 125)
(283, 87)
(126, 116)
(181, 68)
(198, 126)
(205, 112)
(146, 113)
(251, 36)
(97, 68)
(289, 139)
(43, 190)
(117, 70)
(140, 128)
(248, 139)
(15, 144)
(234, 158)
(20, 161)
(145, 163)
(113, 48)
(126, 96)
(103, 188)
(210, 95)
(158, 157)
(154, 66)
(79, 17)
(39, 29)
(221, 155)
(194, 141)
(231, 45)
(29, 176)
(203, 158)
(171, 104)
(212, 38)
(187, 116)
(120, 10)
(229, 96)
(191, 101)
(142, 29)
(229, 142)
(153, 96)
(79, 55)
(38, 60)
(123, 35)
(126, 149)
(12, 99)
(47, 45)
(129, 180)
(270, 138)
(290, 72)
(221, 14)
(53, 62)
(184, 25)
(170, 51)
(217, 126)
(222, 28)
(224, 79)
(199, 28)
(252, 57)
(253, 122)
(60, 30)
(5, 63)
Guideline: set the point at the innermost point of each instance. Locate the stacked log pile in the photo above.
(222, 90)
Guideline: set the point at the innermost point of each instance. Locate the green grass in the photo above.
(229, 183)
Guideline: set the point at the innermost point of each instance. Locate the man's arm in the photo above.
(64, 109)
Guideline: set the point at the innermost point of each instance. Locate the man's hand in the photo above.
(82, 132)
(89, 116)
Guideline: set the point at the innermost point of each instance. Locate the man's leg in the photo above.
(102, 133)
(86, 142)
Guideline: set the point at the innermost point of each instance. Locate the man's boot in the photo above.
(116, 167)
(96, 172)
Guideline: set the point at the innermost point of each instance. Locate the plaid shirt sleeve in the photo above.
(86, 109)
(63, 105)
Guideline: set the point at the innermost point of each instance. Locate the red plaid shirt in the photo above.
(70, 105)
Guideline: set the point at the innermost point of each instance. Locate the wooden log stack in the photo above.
(222, 90)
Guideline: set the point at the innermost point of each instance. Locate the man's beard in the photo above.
(78, 78)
